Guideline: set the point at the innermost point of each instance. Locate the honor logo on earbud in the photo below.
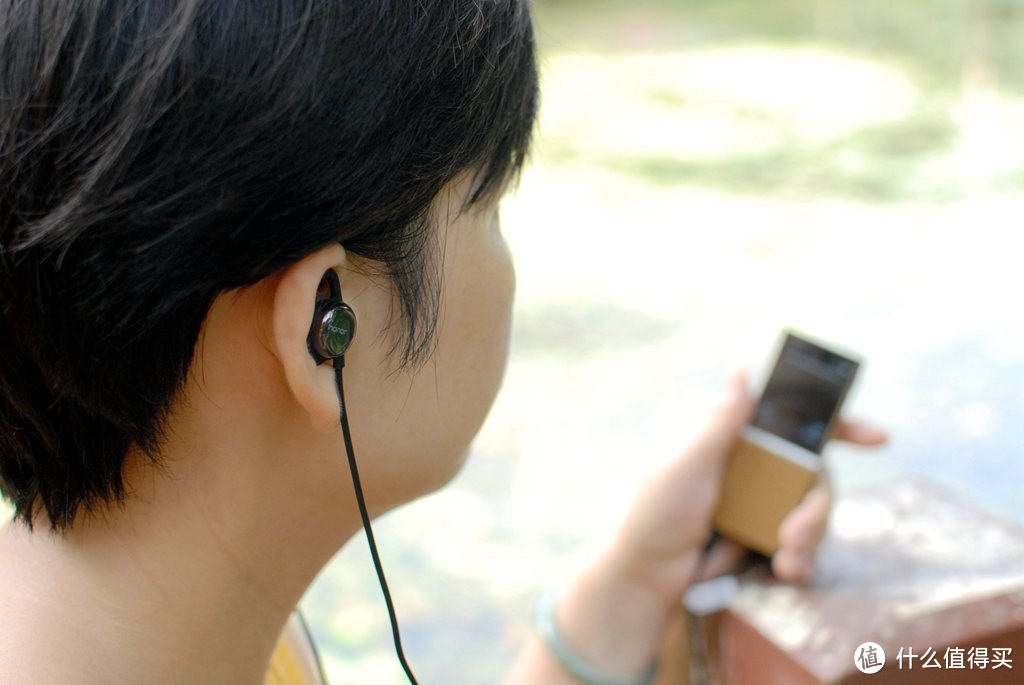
(334, 323)
(336, 330)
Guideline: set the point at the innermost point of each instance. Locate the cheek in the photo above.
(418, 427)
(474, 350)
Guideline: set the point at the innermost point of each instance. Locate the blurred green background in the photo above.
(706, 173)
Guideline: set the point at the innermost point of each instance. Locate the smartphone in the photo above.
(778, 455)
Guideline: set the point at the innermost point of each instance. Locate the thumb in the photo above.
(734, 410)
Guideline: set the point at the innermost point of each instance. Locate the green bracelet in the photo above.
(547, 631)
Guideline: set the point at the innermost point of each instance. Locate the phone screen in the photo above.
(804, 392)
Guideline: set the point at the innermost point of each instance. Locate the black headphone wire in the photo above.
(339, 364)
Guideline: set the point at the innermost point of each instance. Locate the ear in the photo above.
(294, 301)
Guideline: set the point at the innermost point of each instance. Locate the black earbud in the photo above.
(334, 323)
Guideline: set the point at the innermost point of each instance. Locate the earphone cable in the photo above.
(357, 484)
(308, 635)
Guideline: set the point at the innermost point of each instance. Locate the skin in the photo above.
(193, 577)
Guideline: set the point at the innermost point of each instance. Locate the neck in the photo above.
(192, 579)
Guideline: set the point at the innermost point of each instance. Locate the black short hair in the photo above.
(154, 154)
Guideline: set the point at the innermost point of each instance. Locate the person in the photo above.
(176, 178)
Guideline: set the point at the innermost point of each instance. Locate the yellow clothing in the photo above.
(293, 661)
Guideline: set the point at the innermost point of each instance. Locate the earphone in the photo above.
(334, 324)
(330, 335)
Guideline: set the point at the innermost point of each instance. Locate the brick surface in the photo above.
(905, 566)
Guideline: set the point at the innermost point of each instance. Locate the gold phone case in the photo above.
(761, 487)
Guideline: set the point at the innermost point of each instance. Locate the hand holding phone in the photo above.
(777, 458)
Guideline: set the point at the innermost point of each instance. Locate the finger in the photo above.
(800, 534)
(804, 527)
(731, 414)
(860, 433)
(790, 567)
(723, 557)
(734, 408)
